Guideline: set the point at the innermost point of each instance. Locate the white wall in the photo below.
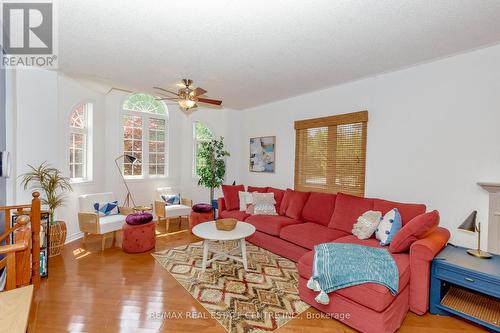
(433, 132)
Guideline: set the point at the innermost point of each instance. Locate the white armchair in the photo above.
(91, 223)
(164, 212)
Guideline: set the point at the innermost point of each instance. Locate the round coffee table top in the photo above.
(207, 230)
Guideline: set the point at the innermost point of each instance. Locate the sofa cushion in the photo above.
(347, 210)
(235, 214)
(231, 198)
(297, 201)
(407, 210)
(310, 234)
(285, 201)
(372, 295)
(270, 224)
(278, 196)
(416, 229)
(256, 189)
(319, 208)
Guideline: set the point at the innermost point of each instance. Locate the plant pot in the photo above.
(57, 237)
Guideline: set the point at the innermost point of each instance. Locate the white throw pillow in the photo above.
(366, 224)
(388, 227)
(245, 200)
(263, 203)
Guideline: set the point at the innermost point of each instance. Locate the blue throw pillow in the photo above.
(171, 199)
(388, 227)
(107, 208)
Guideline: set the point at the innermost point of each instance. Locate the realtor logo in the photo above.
(28, 34)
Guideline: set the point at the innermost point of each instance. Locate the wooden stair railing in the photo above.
(22, 258)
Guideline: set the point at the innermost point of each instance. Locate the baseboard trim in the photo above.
(73, 237)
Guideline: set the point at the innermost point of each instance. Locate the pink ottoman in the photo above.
(138, 238)
(197, 218)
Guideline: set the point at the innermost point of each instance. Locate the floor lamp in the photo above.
(129, 159)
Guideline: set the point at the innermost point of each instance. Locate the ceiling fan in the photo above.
(187, 96)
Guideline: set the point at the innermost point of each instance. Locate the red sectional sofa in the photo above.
(307, 219)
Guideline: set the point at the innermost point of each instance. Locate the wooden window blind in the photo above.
(330, 154)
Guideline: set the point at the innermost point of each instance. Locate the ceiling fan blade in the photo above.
(165, 90)
(209, 101)
(198, 91)
(166, 98)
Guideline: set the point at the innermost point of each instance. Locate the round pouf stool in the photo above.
(139, 233)
(201, 213)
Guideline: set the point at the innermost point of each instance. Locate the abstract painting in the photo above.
(262, 154)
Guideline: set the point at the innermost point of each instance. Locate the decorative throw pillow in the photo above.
(278, 196)
(388, 227)
(366, 224)
(231, 198)
(263, 204)
(418, 228)
(245, 200)
(171, 199)
(106, 208)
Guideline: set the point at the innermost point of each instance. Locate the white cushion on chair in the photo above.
(111, 223)
(177, 210)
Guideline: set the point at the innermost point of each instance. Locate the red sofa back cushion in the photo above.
(347, 210)
(407, 210)
(257, 189)
(297, 201)
(231, 198)
(319, 208)
(278, 196)
(419, 227)
(285, 201)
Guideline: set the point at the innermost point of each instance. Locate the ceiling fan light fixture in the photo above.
(187, 103)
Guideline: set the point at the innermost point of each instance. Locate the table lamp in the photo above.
(470, 225)
(129, 159)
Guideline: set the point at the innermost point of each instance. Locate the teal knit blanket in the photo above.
(338, 266)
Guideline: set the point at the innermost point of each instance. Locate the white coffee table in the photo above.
(209, 233)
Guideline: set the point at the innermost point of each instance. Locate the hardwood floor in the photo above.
(111, 291)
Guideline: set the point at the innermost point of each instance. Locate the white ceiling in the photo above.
(251, 52)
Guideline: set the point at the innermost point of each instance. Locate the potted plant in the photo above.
(51, 182)
(213, 165)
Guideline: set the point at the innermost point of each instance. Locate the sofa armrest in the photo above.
(126, 210)
(422, 252)
(221, 204)
(89, 222)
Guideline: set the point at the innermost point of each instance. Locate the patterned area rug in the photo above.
(261, 299)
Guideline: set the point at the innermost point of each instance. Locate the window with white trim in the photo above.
(144, 136)
(80, 143)
(201, 134)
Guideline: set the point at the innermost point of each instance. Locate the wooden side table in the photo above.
(466, 286)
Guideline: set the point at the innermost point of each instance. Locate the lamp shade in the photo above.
(129, 158)
(470, 222)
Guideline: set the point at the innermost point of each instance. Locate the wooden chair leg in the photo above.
(114, 239)
(103, 242)
(167, 224)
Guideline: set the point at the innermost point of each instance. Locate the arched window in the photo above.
(201, 133)
(145, 124)
(80, 166)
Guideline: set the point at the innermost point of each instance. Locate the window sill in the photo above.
(149, 178)
(81, 182)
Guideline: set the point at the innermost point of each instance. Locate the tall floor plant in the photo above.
(212, 168)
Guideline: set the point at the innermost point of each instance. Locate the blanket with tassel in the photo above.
(338, 265)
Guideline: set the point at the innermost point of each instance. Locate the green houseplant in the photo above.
(212, 166)
(54, 185)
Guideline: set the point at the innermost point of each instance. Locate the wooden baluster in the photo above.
(35, 237)
(7, 224)
(11, 274)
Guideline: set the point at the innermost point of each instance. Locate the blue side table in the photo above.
(466, 286)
